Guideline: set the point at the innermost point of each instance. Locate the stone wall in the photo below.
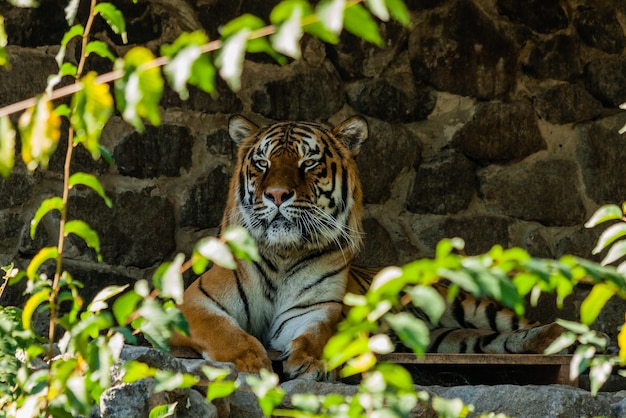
(492, 120)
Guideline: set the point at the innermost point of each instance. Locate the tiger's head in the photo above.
(295, 186)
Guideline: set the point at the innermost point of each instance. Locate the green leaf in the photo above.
(136, 370)
(179, 69)
(216, 251)
(399, 11)
(114, 18)
(331, 14)
(99, 301)
(358, 21)
(163, 411)
(74, 31)
(429, 300)
(45, 254)
(92, 182)
(412, 331)
(52, 203)
(7, 146)
(605, 213)
(4, 57)
(359, 364)
(594, 302)
(218, 390)
(125, 306)
(609, 236)
(139, 91)
(267, 390)
(396, 376)
(99, 48)
(84, 231)
(599, 373)
(92, 107)
(241, 243)
(245, 22)
(40, 130)
(31, 306)
(617, 251)
(169, 279)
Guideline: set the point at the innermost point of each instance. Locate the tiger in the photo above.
(295, 188)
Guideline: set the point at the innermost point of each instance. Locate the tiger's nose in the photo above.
(278, 195)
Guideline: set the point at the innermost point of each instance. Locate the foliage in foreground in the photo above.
(67, 378)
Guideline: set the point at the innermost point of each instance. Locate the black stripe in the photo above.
(269, 288)
(212, 299)
(488, 339)
(344, 190)
(492, 313)
(434, 345)
(302, 263)
(244, 299)
(459, 313)
(324, 277)
(282, 324)
(477, 348)
(269, 264)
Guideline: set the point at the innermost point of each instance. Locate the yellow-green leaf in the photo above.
(7, 146)
(99, 48)
(45, 254)
(114, 18)
(81, 229)
(231, 57)
(139, 91)
(605, 213)
(621, 342)
(287, 39)
(92, 107)
(40, 132)
(31, 306)
(52, 203)
(594, 302)
(398, 11)
(331, 14)
(92, 182)
(4, 57)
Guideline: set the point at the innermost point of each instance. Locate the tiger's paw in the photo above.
(252, 361)
(542, 337)
(300, 365)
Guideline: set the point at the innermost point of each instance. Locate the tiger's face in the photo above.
(296, 183)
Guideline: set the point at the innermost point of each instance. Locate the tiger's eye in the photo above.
(261, 164)
(309, 164)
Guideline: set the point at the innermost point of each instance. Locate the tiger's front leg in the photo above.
(302, 356)
(214, 333)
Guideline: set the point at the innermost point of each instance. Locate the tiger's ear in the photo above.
(352, 133)
(240, 128)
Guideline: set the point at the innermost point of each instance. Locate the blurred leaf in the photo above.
(381, 344)
(241, 243)
(74, 31)
(136, 370)
(40, 132)
(92, 182)
(598, 374)
(617, 251)
(396, 376)
(52, 203)
(580, 360)
(99, 48)
(378, 9)
(70, 11)
(169, 280)
(216, 251)
(124, 306)
(399, 11)
(594, 302)
(45, 254)
(575, 327)
(451, 408)
(231, 57)
(84, 231)
(286, 40)
(167, 381)
(31, 305)
(7, 146)
(359, 22)
(605, 213)
(331, 14)
(267, 390)
(359, 364)
(163, 411)
(114, 18)
(429, 300)
(412, 331)
(99, 302)
(609, 235)
(139, 91)
(621, 342)
(245, 22)
(4, 57)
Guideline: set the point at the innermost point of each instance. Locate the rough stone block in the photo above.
(567, 103)
(556, 57)
(500, 132)
(543, 16)
(599, 27)
(606, 79)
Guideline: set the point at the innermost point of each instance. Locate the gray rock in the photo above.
(206, 201)
(543, 16)
(537, 191)
(500, 132)
(599, 27)
(567, 103)
(606, 79)
(556, 57)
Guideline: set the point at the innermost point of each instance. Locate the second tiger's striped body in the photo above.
(296, 190)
